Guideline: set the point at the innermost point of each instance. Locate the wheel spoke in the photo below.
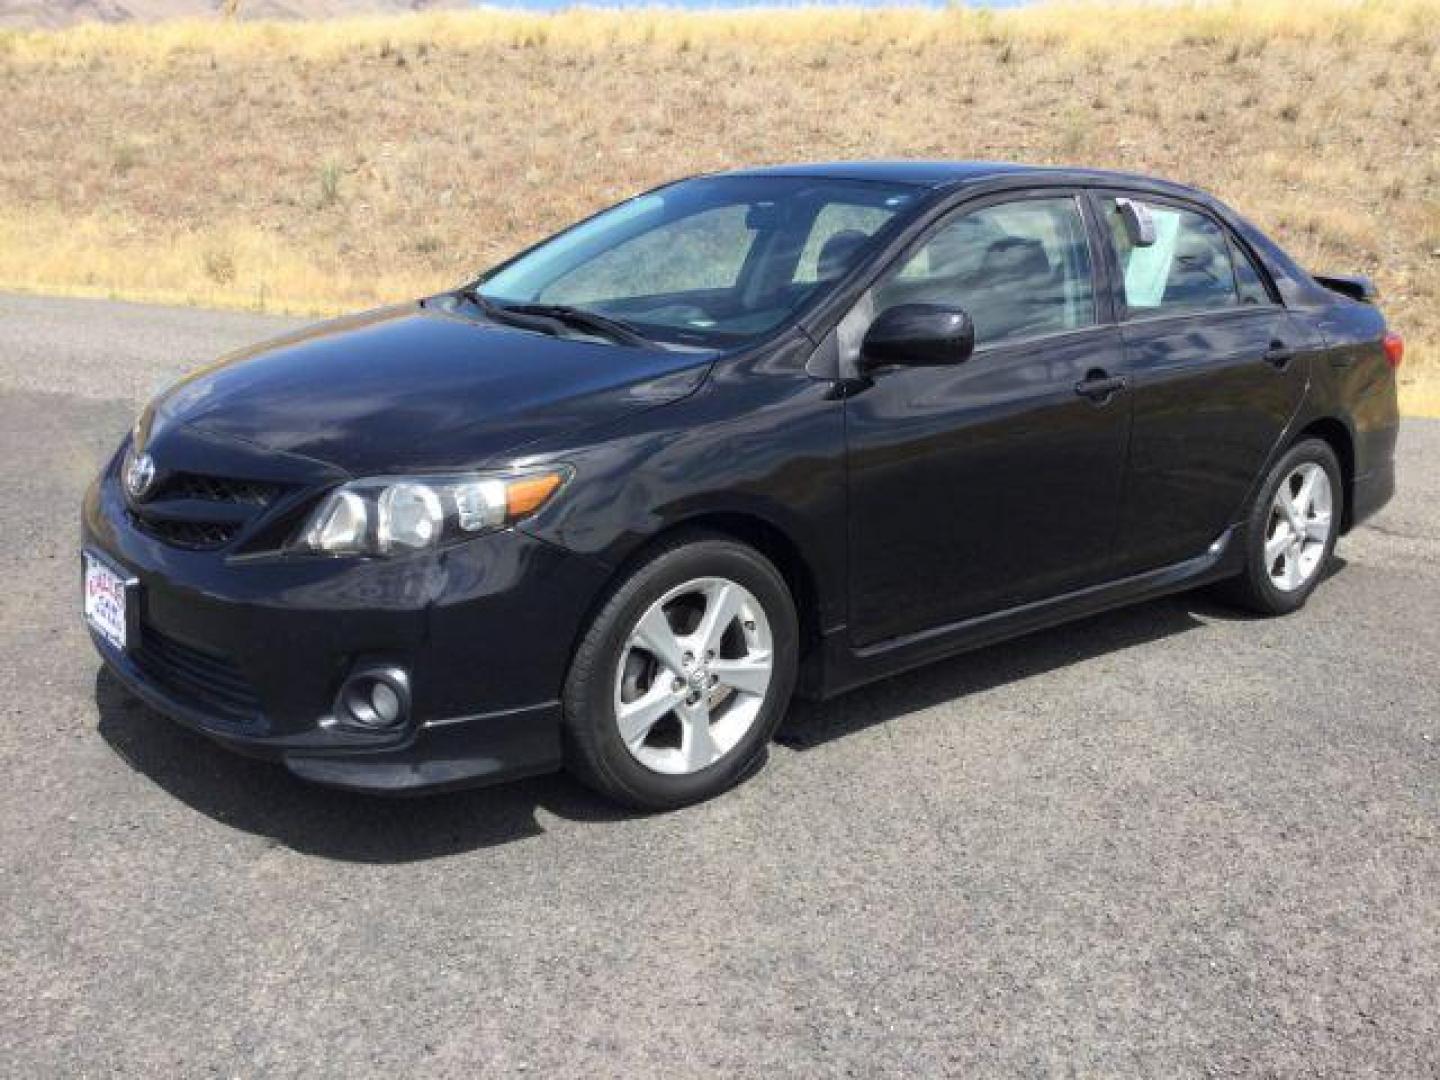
(656, 637)
(722, 604)
(1276, 545)
(697, 744)
(1292, 566)
(749, 674)
(1317, 528)
(1306, 495)
(636, 718)
(1286, 504)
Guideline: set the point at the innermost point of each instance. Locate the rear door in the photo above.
(1216, 369)
(983, 485)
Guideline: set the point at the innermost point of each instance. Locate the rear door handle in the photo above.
(1279, 354)
(1098, 387)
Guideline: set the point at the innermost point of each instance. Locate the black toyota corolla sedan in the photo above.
(775, 431)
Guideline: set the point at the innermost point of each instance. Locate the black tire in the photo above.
(1253, 589)
(594, 751)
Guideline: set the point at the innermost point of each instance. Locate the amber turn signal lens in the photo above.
(526, 495)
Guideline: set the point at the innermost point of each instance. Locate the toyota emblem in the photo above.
(139, 474)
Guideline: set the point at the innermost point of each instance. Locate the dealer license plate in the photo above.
(105, 600)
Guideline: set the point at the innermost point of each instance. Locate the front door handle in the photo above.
(1279, 354)
(1099, 387)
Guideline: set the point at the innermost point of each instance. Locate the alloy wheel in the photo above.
(1298, 532)
(693, 675)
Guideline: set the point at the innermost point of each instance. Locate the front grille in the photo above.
(207, 680)
(200, 512)
(218, 489)
(195, 535)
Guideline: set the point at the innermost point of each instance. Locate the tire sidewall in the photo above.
(590, 700)
(1310, 450)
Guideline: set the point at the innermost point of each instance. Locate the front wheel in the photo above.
(683, 676)
(1291, 531)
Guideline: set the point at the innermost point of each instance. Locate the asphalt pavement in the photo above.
(1169, 841)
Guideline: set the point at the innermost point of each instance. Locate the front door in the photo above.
(1216, 370)
(994, 482)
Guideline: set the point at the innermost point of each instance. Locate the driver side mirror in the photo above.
(919, 335)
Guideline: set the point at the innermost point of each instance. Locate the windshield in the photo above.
(715, 261)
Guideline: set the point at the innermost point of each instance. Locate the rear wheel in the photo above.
(683, 676)
(1291, 531)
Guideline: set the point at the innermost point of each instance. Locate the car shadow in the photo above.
(810, 724)
(262, 798)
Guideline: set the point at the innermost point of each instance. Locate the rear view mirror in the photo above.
(1139, 225)
(919, 335)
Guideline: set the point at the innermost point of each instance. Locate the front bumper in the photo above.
(434, 755)
(252, 652)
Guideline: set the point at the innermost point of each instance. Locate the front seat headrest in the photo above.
(1014, 258)
(1195, 253)
(838, 252)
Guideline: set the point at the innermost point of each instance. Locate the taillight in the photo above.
(1394, 349)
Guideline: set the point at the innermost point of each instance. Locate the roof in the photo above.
(919, 173)
(934, 174)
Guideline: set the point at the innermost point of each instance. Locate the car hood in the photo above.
(414, 387)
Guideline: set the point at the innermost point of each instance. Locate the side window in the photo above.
(702, 251)
(1187, 268)
(1019, 269)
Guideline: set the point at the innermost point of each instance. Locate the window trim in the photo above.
(1048, 337)
(1122, 312)
(1076, 195)
(1271, 293)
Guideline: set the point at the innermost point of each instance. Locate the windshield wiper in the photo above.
(552, 318)
(501, 314)
(583, 318)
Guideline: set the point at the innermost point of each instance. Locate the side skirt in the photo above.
(845, 668)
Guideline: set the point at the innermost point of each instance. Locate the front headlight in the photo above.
(392, 515)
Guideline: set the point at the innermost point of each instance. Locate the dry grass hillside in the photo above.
(28, 14)
(311, 167)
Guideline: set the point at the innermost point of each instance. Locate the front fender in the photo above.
(763, 445)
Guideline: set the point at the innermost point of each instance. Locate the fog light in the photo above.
(385, 702)
(375, 698)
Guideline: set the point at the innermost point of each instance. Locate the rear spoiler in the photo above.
(1355, 286)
